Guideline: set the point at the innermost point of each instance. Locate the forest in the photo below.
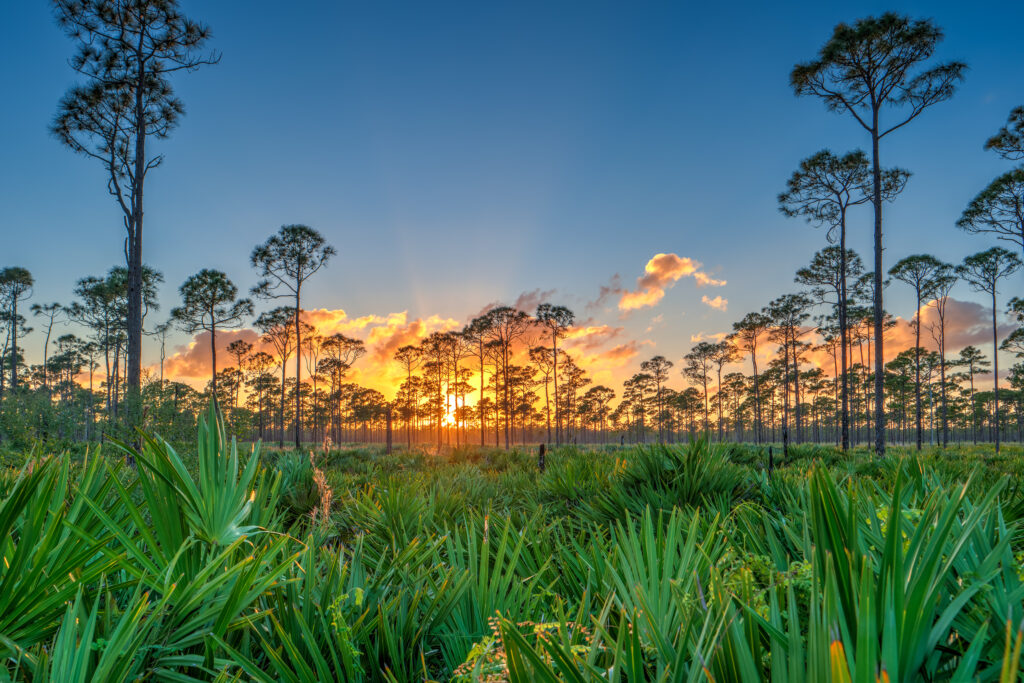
(502, 380)
(803, 496)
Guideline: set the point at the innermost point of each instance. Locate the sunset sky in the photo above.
(622, 159)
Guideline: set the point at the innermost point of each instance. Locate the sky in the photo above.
(459, 154)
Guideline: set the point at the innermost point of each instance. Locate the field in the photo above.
(670, 563)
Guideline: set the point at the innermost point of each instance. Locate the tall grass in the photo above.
(688, 562)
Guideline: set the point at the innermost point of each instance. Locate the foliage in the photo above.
(675, 562)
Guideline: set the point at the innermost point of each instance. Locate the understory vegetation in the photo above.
(692, 562)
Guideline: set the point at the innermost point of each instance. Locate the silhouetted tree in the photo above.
(277, 330)
(788, 314)
(1009, 141)
(942, 284)
(261, 382)
(340, 354)
(542, 358)
(508, 325)
(600, 397)
(556, 320)
(827, 276)
(126, 52)
(574, 378)
(998, 209)
(973, 359)
(724, 354)
(285, 262)
(698, 366)
(822, 190)
(864, 69)
(408, 357)
(103, 307)
(478, 332)
(97, 308)
(919, 271)
(209, 301)
(459, 347)
(983, 271)
(240, 349)
(634, 391)
(748, 333)
(435, 352)
(160, 332)
(49, 312)
(1014, 343)
(658, 368)
(15, 286)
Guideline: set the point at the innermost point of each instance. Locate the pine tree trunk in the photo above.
(876, 175)
(917, 370)
(298, 367)
(995, 367)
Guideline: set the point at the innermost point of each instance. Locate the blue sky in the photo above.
(462, 153)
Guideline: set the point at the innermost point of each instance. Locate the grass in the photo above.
(668, 563)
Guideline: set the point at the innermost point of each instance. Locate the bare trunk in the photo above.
(796, 391)
(844, 334)
(408, 409)
(14, 342)
(298, 366)
(134, 331)
(46, 353)
(974, 412)
(508, 406)
(547, 407)
(719, 404)
(757, 395)
(213, 360)
(876, 175)
(280, 419)
(917, 369)
(483, 421)
(554, 374)
(995, 367)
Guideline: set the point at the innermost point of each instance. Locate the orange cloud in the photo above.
(191, 362)
(623, 352)
(383, 335)
(597, 348)
(718, 303)
(609, 366)
(591, 336)
(662, 272)
(704, 280)
(967, 323)
(708, 336)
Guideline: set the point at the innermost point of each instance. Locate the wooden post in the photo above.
(540, 459)
(387, 418)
